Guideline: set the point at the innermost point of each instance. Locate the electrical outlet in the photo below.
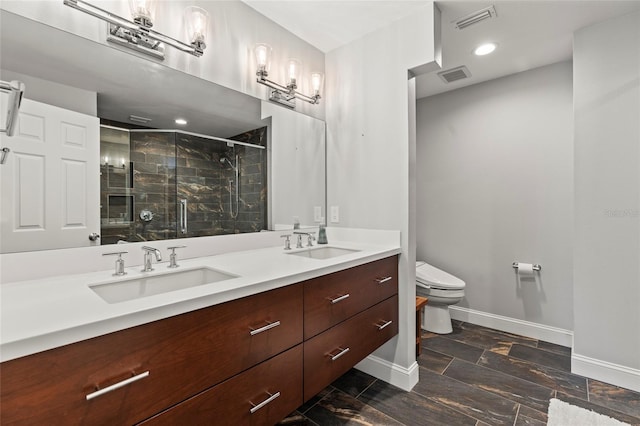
(335, 214)
(317, 214)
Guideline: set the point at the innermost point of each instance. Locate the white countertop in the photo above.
(46, 313)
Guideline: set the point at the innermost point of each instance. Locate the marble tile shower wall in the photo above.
(168, 167)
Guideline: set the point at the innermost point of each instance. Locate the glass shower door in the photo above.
(220, 186)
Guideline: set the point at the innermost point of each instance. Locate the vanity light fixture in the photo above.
(137, 33)
(15, 89)
(286, 95)
(485, 49)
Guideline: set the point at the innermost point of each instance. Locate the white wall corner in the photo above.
(604, 371)
(401, 377)
(436, 47)
(558, 336)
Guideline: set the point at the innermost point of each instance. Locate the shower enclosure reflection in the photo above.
(163, 184)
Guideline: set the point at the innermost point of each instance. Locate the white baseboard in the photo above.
(534, 330)
(607, 372)
(404, 378)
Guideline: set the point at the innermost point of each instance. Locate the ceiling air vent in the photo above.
(138, 119)
(475, 17)
(454, 74)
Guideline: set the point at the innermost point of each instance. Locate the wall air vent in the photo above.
(454, 74)
(475, 17)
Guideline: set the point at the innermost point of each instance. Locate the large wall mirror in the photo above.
(239, 165)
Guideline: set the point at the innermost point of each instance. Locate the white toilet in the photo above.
(442, 289)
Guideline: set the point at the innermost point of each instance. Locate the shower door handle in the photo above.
(183, 216)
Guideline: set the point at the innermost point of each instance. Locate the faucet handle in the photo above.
(119, 262)
(310, 239)
(172, 256)
(287, 242)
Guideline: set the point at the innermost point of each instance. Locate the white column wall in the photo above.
(607, 201)
(369, 145)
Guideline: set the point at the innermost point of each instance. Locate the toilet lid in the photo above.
(430, 276)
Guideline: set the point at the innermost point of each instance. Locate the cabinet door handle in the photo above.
(263, 403)
(340, 299)
(383, 280)
(117, 385)
(339, 354)
(265, 328)
(385, 325)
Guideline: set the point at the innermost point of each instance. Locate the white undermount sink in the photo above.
(123, 289)
(323, 252)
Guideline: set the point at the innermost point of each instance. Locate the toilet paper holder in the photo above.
(536, 267)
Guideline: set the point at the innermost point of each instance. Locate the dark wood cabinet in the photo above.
(213, 365)
(330, 299)
(183, 355)
(262, 395)
(331, 354)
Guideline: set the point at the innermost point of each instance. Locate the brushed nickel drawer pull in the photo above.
(117, 385)
(339, 354)
(340, 299)
(265, 328)
(385, 325)
(383, 280)
(263, 403)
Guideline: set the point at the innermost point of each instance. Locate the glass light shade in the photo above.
(317, 80)
(293, 71)
(143, 12)
(196, 22)
(263, 57)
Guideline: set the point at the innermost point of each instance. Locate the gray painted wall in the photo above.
(607, 186)
(495, 185)
(51, 93)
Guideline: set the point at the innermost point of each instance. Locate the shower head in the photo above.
(226, 160)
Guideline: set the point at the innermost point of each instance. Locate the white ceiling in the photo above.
(529, 34)
(328, 24)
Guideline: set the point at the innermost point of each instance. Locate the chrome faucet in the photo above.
(148, 260)
(310, 238)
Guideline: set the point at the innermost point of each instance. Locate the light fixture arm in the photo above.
(133, 33)
(285, 94)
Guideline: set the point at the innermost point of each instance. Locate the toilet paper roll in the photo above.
(525, 268)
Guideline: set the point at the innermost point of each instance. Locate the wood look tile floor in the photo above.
(474, 376)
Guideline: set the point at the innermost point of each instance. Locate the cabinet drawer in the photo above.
(333, 298)
(183, 355)
(332, 353)
(272, 390)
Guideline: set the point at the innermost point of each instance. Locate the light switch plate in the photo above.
(317, 214)
(335, 214)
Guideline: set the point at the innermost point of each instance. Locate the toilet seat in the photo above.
(430, 277)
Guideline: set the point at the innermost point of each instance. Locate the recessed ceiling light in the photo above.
(181, 121)
(485, 49)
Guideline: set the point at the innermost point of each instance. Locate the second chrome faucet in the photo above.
(310, 238)
(148, 259)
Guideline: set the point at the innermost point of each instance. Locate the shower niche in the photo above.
(166, 184)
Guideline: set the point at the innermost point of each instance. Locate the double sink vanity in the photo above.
(243, 337)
